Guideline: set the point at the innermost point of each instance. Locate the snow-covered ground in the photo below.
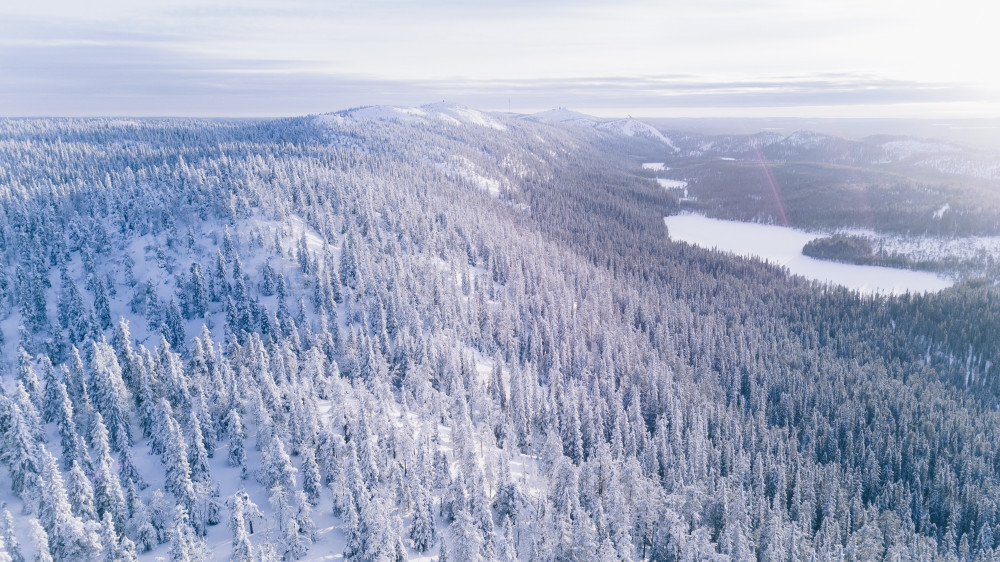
(655, 166)
(465, 169)
(671, 184)
(783, 246)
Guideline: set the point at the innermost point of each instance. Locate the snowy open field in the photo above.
(783, 246)
(671, 184)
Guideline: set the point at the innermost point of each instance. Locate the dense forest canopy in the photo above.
(467, 338)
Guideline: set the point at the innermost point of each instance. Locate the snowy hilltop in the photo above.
(441, 112)
(634, 128)
(563, 115)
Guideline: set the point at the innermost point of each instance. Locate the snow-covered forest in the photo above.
(438, 334)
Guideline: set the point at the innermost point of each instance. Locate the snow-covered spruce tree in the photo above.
(115, 548)
(43, 551)
(422, 532)
(109, 395)
(128, 359)
(128, 472)
(19, 450)
(69, 537)
(102, 308)
(197, 292)
(81, 494)
(170, 373)
(185, 545)
(147, 399)
(11, 544)
(139, 527)
(291, 542)
(108, 494)
(311, 478)
(175, 460)
(276, 467)
(197, 453)
(77, 387)
(29, 412)
(73, 315)
(376, 532)
(237, 441)
(466, 539)
(173, 326)
(242, 514)
(52, 400)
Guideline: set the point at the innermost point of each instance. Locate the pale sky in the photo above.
(843, 58)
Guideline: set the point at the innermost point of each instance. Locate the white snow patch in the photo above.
(447, 119)
(467, 170)
(940, 212)
(783, 246)
(410, 111)
(330, 120)
(671, 184)
(655, 166)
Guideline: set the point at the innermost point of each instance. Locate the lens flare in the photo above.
(765, 167)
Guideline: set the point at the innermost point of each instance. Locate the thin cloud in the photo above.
(141, 72)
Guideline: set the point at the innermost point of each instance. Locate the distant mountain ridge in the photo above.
(929, 155)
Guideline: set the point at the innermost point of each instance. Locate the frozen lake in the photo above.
(783, 245)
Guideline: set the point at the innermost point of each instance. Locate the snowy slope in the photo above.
(635, 128)
(463, 168)
(156, 262)
(441, 112)
(563, 115)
